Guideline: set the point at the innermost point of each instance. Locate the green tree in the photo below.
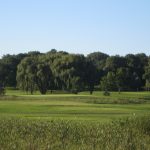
(115, 62)
(33, 72)
(146, 76)
(69, 72)
(8, 68)
(91, 75)
(136, 64)
(3, 73)
(98, 60)
(122, 79)
(109, 83)
(43, 77)
(26, 74)
(104, 84)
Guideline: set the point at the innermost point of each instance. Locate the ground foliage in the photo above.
(131, 134)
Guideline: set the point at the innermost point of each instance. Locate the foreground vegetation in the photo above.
(129, 134)
(81, 121)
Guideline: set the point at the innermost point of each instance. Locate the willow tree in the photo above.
(69, 72)
(26, 74)
(33, 73)
(43, 75)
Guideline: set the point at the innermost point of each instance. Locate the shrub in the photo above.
(106, 93)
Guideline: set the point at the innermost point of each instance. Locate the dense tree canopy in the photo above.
(59, 70)
(146, 76)
(33, 72)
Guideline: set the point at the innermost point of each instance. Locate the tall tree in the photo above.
(69, 72)
(98, 60)
(115, 62)
(109, 82)
(26, 74)
(146, 76)
(136, 65)
(34, 73)
(122, 78)
(43, 75)
(91, 73)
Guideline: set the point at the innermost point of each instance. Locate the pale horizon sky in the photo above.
(76, 26)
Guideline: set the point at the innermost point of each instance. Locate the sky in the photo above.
(76, 26)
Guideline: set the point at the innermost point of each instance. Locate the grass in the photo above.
(83, 107)
(129, 134)
(71, 122)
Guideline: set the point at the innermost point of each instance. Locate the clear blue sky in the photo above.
(76, 26)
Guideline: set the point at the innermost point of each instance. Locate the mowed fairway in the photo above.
(83, 107)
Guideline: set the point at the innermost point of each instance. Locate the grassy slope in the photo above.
(75, 107)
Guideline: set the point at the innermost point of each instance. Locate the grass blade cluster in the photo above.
(23, 134)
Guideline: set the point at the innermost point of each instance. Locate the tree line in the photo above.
(59, 70)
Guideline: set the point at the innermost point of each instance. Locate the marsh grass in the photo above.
(126, 134)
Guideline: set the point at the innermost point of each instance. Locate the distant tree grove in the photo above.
(59, 70)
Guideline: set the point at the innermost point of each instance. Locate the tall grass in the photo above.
(21, 134)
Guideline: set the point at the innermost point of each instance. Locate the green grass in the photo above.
(71, 122)
(23, 134)
(83, 107)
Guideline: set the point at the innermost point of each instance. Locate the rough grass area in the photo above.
(75, 122)
(21, 134)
